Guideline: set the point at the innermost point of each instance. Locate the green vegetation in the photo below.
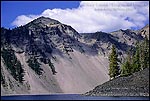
(126, 68)
(48, 48)
(144, 53)
(81, 49)
(35, 65)
(13, 64)
(113, 66)
(2, 79)
(52, 67)
(48, 61)
(44, 60)
(138, 60)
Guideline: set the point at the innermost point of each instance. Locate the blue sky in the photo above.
(84, 16)
(11, 9)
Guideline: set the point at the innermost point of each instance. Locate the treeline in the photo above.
(137, 59)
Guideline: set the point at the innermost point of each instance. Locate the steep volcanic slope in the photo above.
(67, 65)
(55, 58)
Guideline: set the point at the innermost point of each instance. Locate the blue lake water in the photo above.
(68, 97)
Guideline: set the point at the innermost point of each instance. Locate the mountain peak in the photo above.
(45, 21)
(147, 26)
(144, 31)
(42, 18)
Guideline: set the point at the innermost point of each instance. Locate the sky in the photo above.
(83, 16)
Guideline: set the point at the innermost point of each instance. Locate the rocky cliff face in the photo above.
(46, 56)
(144, 31)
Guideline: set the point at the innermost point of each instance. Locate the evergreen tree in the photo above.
(52, 67)
(142, 56)
(146, 52)
(126, 68)
(20, 72)
(13, 64)
(137, 59)
(136, 66)
(113, 65)
(35, 65)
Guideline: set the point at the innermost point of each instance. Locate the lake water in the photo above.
(67, 97)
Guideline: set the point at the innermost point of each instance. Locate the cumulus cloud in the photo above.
(92, 16)
(23, 19)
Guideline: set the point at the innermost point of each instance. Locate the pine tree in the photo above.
(126, 68)
(144, 53)
(35, 65)
(20, 72)
(136, 66)
(137, 59)
(52, 67)
(113, 65)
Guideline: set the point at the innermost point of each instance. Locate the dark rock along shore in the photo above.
(136, 84)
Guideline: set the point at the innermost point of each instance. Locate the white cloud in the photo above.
(92, 16)
(23, 19)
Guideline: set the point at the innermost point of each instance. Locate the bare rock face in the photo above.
(144, 31)
(46, 56)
